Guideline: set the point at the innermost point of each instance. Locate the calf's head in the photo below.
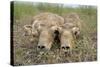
(67, 40)
(45, 39)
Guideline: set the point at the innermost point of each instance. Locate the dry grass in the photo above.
(25, 52)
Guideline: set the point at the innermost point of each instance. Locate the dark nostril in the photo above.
(39, 46)
(42, 47)
(63, 47)
(67, 47)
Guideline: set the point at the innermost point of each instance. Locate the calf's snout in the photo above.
(64, 47)
(41, 47)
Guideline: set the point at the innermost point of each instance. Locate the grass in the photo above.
(25, 52)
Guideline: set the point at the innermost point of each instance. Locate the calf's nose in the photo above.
(64, 47)
(41, 47)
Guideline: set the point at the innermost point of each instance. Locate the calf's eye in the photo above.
(75, 33)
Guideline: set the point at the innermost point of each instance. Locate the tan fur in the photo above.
(46, 39)
(72, 20)
(70, 30)
(67, 40)
(44, 25)
(73, 23)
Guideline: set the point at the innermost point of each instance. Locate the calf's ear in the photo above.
(28, 30)
(76, 31)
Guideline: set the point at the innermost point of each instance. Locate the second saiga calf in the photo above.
(70, 31)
